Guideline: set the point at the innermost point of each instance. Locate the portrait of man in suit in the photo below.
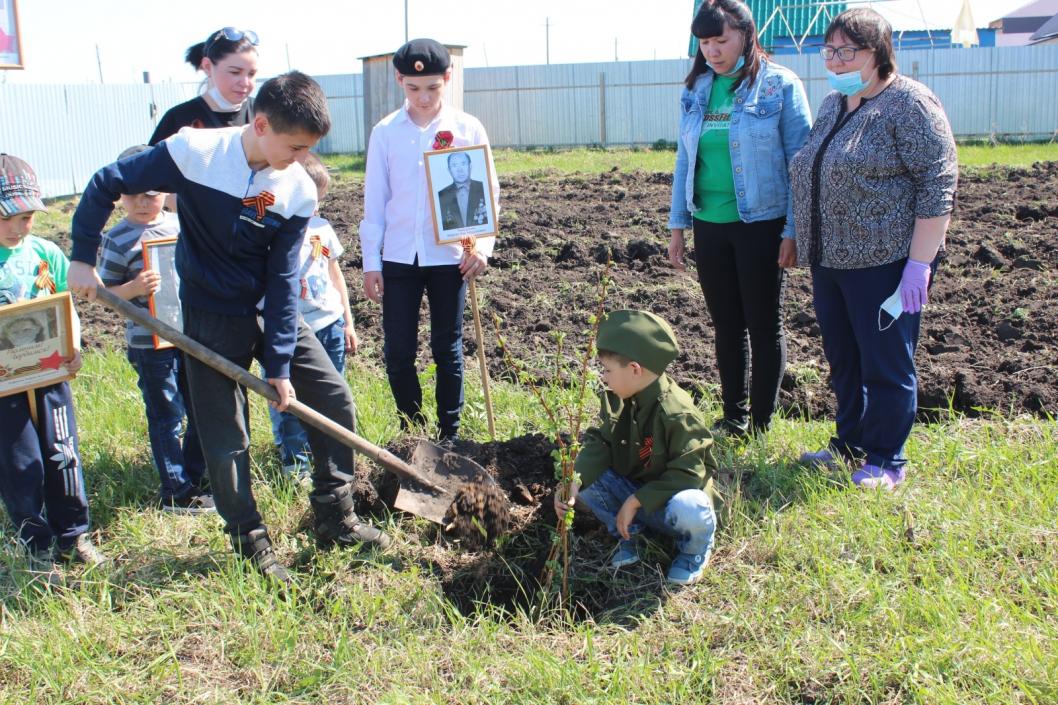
(462, 202)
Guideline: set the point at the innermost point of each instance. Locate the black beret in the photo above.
(422, 57)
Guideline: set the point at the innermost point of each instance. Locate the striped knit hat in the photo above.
(19, 191)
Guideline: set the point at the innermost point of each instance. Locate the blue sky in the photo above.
(328, 36)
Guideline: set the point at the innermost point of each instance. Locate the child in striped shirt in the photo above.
(162, 376)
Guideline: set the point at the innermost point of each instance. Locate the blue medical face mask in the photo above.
(848, 84)
(894, 306)
(738, 67)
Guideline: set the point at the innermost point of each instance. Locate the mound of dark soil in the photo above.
(507, 575)
(988, 338)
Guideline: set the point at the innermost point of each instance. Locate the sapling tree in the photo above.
(563, 398)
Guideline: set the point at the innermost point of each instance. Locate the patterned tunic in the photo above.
(863, 178)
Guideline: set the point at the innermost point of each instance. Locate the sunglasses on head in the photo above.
(232, 35)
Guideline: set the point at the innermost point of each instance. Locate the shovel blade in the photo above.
(447, 470)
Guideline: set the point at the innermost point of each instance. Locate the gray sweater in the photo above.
(858, 189)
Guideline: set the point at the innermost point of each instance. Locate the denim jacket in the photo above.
(770, 122)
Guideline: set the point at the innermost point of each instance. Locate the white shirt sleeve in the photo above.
(376, 195)
(486, 244)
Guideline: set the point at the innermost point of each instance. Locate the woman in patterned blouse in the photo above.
(874, 189)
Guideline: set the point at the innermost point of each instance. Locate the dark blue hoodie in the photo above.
(240, 230)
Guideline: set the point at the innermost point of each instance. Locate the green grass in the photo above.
(975, 155)
(816, 592)
(585, 160)
(942, 593)
(542, 161)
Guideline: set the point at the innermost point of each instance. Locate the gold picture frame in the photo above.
(450, 223)
(36, 338)
(164, 304)
(10, 36)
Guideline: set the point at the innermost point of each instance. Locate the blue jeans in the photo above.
(446, 291)
(872, 372)
(41, 478)
(163, 385)
(688, 516)
(287, 431)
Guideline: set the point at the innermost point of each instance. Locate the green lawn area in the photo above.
(584, 160)
(1007, 154)
(943, 593)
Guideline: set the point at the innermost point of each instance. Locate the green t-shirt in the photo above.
(20, 266)
(714, 185)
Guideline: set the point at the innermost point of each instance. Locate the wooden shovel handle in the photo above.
(480, 340)
(229, 369)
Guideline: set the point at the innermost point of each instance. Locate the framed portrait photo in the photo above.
(10, 37)
(459, 182)
(36, 337)
(160, 255)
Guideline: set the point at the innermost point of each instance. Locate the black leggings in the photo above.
(743, 284)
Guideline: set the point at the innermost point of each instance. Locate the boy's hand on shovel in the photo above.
(82, 279)
(285, 390)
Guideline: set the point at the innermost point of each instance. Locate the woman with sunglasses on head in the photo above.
(229, 60)
(742, 118)
(874, 189)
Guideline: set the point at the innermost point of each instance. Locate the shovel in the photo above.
(428, 485)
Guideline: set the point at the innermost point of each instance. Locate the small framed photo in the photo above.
(160, 255)
(10, 37)
(36, 337)
(459, 181)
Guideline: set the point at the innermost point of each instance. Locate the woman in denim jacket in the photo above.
(742, 119)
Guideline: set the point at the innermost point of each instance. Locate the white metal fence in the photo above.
(67, 132)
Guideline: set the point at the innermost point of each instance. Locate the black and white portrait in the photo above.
(463, 202)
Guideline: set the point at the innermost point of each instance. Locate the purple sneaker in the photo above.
(821, 459)
(872, 477)
(896, 476)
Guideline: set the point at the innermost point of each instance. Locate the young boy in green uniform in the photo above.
(645, 465)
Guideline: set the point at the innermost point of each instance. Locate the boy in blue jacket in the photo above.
(244, 203)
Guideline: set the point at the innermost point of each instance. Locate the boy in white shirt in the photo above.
(401, 256)
(323, 301)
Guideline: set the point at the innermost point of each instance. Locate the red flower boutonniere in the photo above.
(443, 140)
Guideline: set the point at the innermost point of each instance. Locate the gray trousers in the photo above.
(220, 406)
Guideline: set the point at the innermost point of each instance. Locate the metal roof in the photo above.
(1048, 30)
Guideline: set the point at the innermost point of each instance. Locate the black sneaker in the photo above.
(256, 547)
(192, 504)
(82, 551)
(338, 524)
(730, 428)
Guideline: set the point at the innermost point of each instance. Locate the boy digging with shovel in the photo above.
(243, 205)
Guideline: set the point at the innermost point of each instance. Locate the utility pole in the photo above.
(405, 21)
(287, 46)
(615, 48)
(99, 64)
(547, 39)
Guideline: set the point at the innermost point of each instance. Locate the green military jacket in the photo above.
(657, 438)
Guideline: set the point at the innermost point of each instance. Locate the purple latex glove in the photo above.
(913, 285)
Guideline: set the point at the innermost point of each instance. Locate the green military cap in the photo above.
(640, 336)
